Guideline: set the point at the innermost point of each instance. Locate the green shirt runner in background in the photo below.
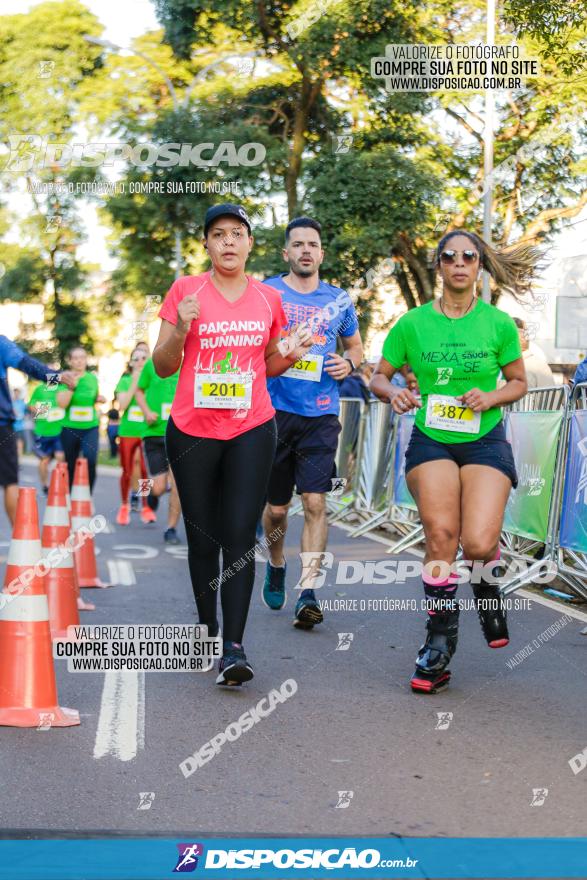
(81, 412)
(159, 394)
(132, 423)
(49, 422)
(449, 357)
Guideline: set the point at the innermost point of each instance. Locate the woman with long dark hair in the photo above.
(459, 464)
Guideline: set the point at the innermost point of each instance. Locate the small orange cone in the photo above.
(81, 514)
(28, 693)
(60, 581)
(81, 604)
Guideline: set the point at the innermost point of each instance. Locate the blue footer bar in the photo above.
(274, 858)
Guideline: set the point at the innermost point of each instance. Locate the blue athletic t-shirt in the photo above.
(332, 314)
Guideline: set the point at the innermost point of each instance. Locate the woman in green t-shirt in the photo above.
(130, 433)
(81, 422)
(459, 464)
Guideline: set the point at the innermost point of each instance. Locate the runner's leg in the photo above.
(195, 463)
(485, 492)
(436, 488)
(71, 442)
(10, 501)
(246, 466)
(174, 510)
(484, 497)
(90, 440)
(314, 535)
(44, 470)
(126, 450)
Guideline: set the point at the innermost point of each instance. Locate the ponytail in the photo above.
(513, 269)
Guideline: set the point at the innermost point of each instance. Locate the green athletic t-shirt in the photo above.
(47, 413)
(81, 412)
(452, 357)
(132, 423)
(159, 394)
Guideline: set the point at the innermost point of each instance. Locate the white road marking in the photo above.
(121, 572)
(121, 723)
(135, 551)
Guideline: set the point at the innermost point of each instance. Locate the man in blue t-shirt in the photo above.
(306, 399)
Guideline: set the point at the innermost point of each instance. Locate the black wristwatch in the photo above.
(347, 357)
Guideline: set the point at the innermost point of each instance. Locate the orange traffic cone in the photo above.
(60, 580)
(82, 605)
(81, 514)
(28, 694)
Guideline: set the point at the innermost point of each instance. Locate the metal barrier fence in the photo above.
(571, 546)
(349, 454)
(536, 426)
(374, 474)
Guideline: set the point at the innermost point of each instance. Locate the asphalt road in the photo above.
(461, 763)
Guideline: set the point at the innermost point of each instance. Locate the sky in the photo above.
(122, 19)
(125, 19)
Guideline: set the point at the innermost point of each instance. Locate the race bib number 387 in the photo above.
(223, 391)
(448, 414)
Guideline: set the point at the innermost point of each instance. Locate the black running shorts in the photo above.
(306, 447)
(155, 455)
(8, 456)
(493, 450)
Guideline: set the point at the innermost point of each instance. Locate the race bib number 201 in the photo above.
(449, 414)
(223, 391)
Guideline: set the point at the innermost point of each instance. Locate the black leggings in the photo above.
(81, 441)
(222, 486)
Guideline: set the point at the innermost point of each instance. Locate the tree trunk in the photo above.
(309, 93)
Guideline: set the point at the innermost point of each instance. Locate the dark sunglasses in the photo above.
(449, 257)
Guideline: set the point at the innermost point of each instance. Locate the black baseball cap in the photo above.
(226, 210)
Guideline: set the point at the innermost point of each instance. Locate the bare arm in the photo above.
(515, 386)
(401, 399)
(168, 351)
(141, 400)
(338, 367)
(64, 398)
(354, 345)
(125, 397)
(275, 363)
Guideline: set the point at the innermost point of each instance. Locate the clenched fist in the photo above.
(188, 310)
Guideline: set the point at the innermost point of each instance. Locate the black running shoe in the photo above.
(170, 536)
(492, 614)
(234, 668)
(434, 656)
(307, 612)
